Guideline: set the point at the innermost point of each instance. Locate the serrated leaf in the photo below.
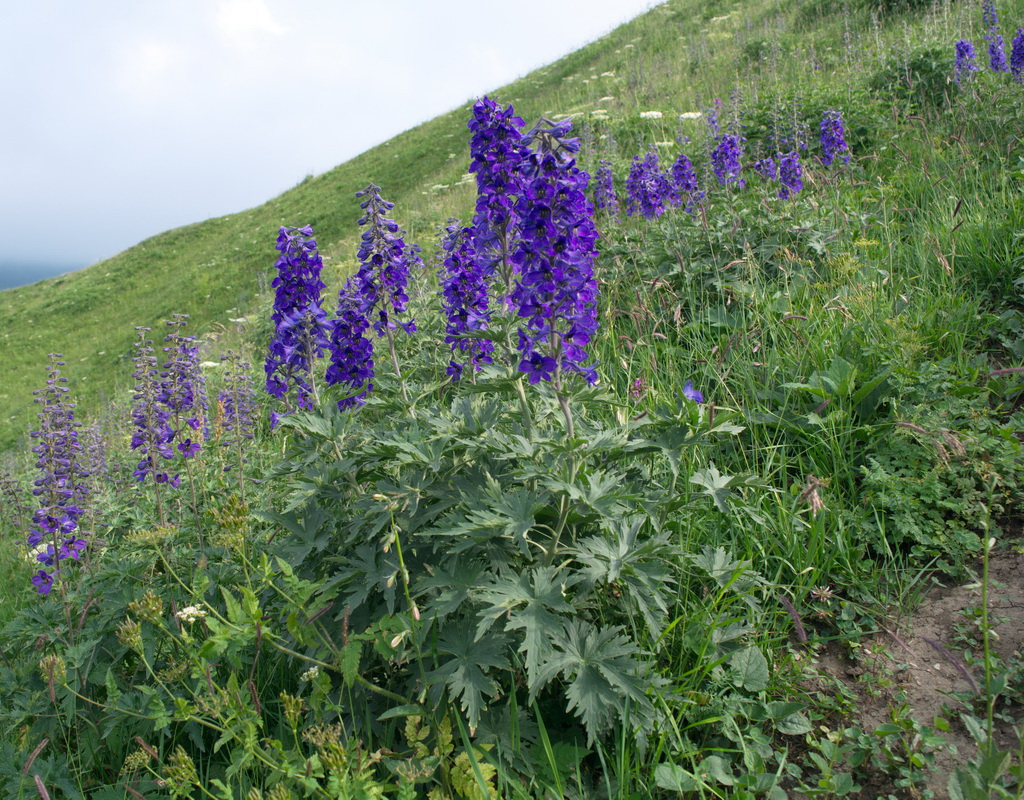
(749, 669)
(716, 485)
(674, 778)
(466, 672)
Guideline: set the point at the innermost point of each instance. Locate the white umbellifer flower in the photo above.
(309, 674)
(651, 115)
(664, 144)
(599, 116)
(690, 115)
(607, 74)
(191, 613)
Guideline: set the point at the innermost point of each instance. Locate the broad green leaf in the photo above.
(674, 778)
(749, 669)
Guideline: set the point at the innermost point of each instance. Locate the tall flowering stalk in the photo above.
(383, 272)
(790, 175)
(151, 417)
(964, 64)
(996, 47)
(648, 189)
(351, 350)
(685, 179)
(833, 138)
(237, 401)
(556, 293)
(605, 198)
(465, 302)
(725, 160)
(1017, 56)
(300, 335)
(498, 154)
(60, 490)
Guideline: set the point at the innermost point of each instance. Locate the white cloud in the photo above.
(246, 22)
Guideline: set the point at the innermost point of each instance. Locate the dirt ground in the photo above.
(926, 676)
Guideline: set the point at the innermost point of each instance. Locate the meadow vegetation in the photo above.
(593, 563)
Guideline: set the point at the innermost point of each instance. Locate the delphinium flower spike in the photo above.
(465, 302)
(237, 402)
(725, 160)
(605, 198)
(498, 153)
(964, 64)
(300, 335)
(1017, 56)
(153, 434)
(767, 168)
(833, 138)
(184, 388)
(790, 175)
(996, 47)
(648, 189)
(60, 490)
(685, 179)
(383, 272)
(556, 293)
(351, 350)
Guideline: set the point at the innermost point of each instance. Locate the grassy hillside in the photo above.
(693, 579)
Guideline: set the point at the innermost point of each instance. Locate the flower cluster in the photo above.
(60, 489)
(648, 189)
(556, 293)
(300, 322)
(685, 179)
(790, 175)
(497, 155)
(183, 387)
(964, 64)
(1017, 56)
(464, 298)
(351, 350)
(237, 399)
(151, 417)
(604, 189)
(767, 168)
(833, 138)
(384, 265)
(996, 47)
(725, 160)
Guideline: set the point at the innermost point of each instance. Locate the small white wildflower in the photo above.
(309, 674)
(651, 115)
(691, 115)
(606, 99)
(664, 144)
(209, 364)
(238, 319)
(599, 116)
(191, 614)
(607, 74)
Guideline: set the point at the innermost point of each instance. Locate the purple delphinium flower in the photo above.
(767, 168)
(648, 189)
(300, 335)
(60, 490)
(790, 175)
(237, 399)
(464, 299)
(712, 115)
(692, 394)
(183, 388)
(497, 152)
(964, 64)
(351, 350)
(833, 138)
(384, 265)
(685, 179)
(605, 198)
(153, 434)
(725, 160)
(996, 47)
(1017, 56)
(556, 293)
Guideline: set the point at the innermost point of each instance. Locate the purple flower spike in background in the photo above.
(153, 433)
(61, 489)
(183, 388)
(1017, 56)
(692, 394)
(604, 190)
(725, 160)
(790, 175)
(996, 47)
(964, 65)
(685, 179)
(767, 169)
(464, 298)
(300, 335)
(833, 138)
(351, 350)
(648, 189)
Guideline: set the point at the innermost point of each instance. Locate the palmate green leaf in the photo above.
(466, 673)
(452, 583)
(729, 574)
(602, 673)
(532, 602)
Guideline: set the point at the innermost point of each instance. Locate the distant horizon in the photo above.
(20, 273)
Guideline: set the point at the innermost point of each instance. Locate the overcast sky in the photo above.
(124, 118)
